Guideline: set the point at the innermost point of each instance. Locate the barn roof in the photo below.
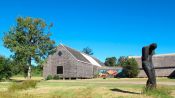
(159, 60)
(84, 57)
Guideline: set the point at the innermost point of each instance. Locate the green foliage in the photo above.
(121, 61)
(130, 68)
(49, 77)
(5, 68)
(111, 61)
(159, 92)
(23, 85)
(36, 71)
(56, 77)
(88, 51)
(30, 41)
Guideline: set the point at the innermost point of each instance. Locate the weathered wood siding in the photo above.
(84, 70)
(72, 68)
(65, 60)
(159, 72)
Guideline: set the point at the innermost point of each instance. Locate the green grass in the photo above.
(88, 88)
(159, 92)
(22, 85)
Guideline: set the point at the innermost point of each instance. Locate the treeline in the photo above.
(129, 65)
(9, 68)
(6, 68)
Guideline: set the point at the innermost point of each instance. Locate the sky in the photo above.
(109, 27)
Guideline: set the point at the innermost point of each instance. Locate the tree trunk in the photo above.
(29, 73)
(29, 69)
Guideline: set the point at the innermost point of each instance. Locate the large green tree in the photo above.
(29, 41)
(111, 61)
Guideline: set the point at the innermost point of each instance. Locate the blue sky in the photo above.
(109, 27)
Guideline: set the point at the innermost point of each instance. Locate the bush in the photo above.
(5, 68)
(23, 85)
(130, 69)
(56, 77)
(49, 77)
(159, 92)
(37, 70)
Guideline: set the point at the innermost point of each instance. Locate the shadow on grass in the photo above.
(123, 91)
(13, 80)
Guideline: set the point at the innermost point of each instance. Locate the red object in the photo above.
(103, 75)
(112, 72)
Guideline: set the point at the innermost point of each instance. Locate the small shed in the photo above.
(69, 63)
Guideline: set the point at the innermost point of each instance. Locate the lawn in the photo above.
(86, 88)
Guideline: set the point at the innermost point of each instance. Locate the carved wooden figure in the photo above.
(147, 64)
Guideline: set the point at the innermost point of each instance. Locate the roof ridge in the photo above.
(76, 50)
(69, 49)
(156, 55)
(73, 55)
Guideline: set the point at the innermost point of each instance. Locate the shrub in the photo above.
(23, 85)
(37, 70)
(130, 69)
(159, 92)
(56, 77)
(49, 77)
(5, 68)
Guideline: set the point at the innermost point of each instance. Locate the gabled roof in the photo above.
(156, 55)
(82, 57)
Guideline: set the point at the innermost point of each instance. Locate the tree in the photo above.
(29, 41)
(131, 69)
(5, 68)
(88, 51)
(121, 61)
(111, 61)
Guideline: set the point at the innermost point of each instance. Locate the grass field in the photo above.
(87, 88)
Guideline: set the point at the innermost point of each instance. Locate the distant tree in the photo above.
(121, 61)
(29, 41)
(5, 68)
(37, 70)
(111, 61)
(130, 69)
(88, 51)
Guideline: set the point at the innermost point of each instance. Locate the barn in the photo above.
(69, 63)
(164, 65)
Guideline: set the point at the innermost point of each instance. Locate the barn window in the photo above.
(59, 69)
(59, 53)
